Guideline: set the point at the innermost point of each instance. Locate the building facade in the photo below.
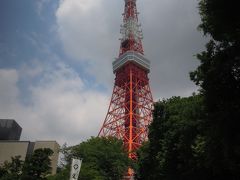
(10, 149)
(9, 130)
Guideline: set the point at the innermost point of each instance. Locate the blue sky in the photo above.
(55, 60)
(22, 25)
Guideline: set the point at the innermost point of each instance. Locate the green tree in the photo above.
(11, 170)
(103, 159)
(38, 165)
(219, 78)
(176, 146)
(63, 174)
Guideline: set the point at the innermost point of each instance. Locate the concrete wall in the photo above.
(10, 149)
(55, 147)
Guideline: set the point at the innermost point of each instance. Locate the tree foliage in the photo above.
(198, 137)
(103, 159)
(219, 78)
(63, 174)
(12, 170)
(36, 167)
(175, 146)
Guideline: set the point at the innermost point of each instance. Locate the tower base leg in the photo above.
(129, 175)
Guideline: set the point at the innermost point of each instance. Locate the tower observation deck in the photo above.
(130, 109)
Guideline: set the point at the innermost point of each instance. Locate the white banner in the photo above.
(75, 169)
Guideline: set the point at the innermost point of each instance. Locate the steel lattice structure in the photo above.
(130, 109)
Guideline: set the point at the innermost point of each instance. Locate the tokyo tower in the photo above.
(130, 109)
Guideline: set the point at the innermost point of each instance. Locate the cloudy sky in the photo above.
(55, 60)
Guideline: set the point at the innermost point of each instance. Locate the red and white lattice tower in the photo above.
(130, 110)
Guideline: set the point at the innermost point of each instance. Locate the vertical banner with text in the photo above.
(75, 168)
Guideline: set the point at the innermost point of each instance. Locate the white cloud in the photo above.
(8, 91)
(40, 6)
(87, 36)
(61, 107)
